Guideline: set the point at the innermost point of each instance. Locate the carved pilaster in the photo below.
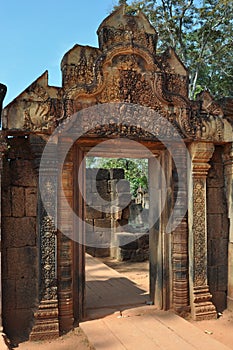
(65, 224)
(228, 172)
(201, 305)
(46, 324)
(180, 236)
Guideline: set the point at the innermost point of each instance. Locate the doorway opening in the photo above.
(117, 231)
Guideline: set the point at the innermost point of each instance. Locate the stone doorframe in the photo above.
(63, 303)
(180, 283)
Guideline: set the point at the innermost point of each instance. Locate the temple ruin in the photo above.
(43, 265)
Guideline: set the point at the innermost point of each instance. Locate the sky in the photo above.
(36, 34)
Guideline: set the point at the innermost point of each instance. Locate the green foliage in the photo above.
(136, 170)
(201, 32)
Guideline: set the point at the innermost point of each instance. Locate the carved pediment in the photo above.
(124, 69)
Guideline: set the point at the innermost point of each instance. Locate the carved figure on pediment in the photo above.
(209, 105)
(39, 117)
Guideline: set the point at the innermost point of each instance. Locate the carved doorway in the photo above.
(159, 241)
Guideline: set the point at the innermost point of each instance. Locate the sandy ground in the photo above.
(220, 329)
(71, 341)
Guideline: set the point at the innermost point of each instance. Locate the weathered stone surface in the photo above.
(215, 201)
(222, 278)
(215, 177)
(27, 293)
(22, 173)
(19, 232)
(218, 252)
(31, 200)
(9, 293)
(18, 201)
(102, 223)
(212, 278)
(93, 213)
(219, 300)
(6, 201)
(18, 324)
(22, 262)
(19, 148)
(102, 188)
(215, 226)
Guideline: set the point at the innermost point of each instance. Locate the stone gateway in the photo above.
(43, 266)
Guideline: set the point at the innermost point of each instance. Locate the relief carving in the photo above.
(200, 254)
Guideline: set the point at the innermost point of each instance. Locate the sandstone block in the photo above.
(102, 239)
(219, 300)
(31, 201)
(18, 201)
(215, 176)
(222, 278)
(19, 232)
(212, 278)
(218, 252)
(102, 187)
(18, 324)
(9, 294)
(214, 225)
(22, 262)
(22, 173)
(102, 223)
(215, 201)
(6, 201)
(102, 252)
(94, 213)
(27, 293)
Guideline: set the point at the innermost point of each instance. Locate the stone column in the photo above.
(228, 170)
(180, 235)
(200, 297)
